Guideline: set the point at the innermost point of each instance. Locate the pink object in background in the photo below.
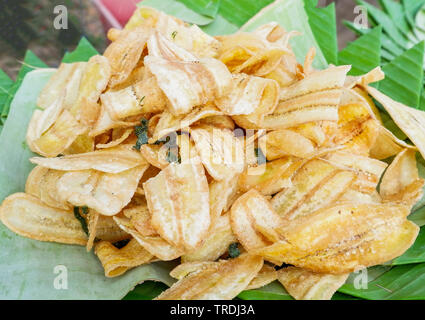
(115, 13)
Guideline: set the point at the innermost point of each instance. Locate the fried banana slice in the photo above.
(154, 244)
(220, 236)
(222, 154)
(401, 182)
(254, 221)
(222, 193)
(113, 160)
(186, 80)
(178, 199)
(266, 275)
(222, 280)
(306, 285)
(116, 261)
(29, 217)
(344, 237)
(107, 193)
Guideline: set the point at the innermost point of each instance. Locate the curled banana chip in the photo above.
(116, 261)
(29, 217)
(306, 285)
(401, 181)
(221, 280)
(254, 221)
(266, 275)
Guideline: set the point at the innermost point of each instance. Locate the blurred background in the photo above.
(27, 24)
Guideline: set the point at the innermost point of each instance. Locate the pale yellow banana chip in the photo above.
(112, 160)
(117, 261)
(178, 199)
(254, 221)
(401, 181)
(64, 83)
(222, 154)
(125, 133)
(29, 217)
(223, 280)
(107, 193)
(156, 155)
(92, 220)
(222, 194)
(266, 275)
(220, 236)
(154, 244)
(306, 285)
(125, 52)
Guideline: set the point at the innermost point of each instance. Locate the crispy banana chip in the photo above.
(169, 123)
(222, 122)
(154, 244)
(410, 121)
(124, 134)
(222, 194)
(222, 154)
(222, 280)
(29, 217)
(314, 98)
(49, 141)
(343, 238)
(220, 236)
(178, 199)
(93, 82)
(254, 221)
(374, 75)
(124, 53)
(401, 181)
(306, 285)
(112, 160)
(250, 95)
(191, 38)
(186, 80)
(156, 155)
(280, 143)
(185, 268)
(116, 261)
(387, 145)
(108, 230)
(92, 220)
(64, 83)
(305, 182)
(368, 170)
(266, 275)
(140, 219)
(41, 183)
(271, 177)
(107, 193)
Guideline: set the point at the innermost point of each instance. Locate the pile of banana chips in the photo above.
(224, 153)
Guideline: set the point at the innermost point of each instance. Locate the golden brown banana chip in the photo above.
(401, 181)
(185, 268)
(154, 244)
(140, 219)
(222, 280)
(387, 145)
(124, 53)
(116, 261)
(270, 177)
(410, 121)
(64, 83)
(124, 134)
(374, 75)
(108, 230)
(306, 285)
(107, 193)
(178, 199)
(254, 221)
(220, 236)
(222, 154)
(92, 220)
(113, 160)
(305, 182)
(266, 275)
(29, 217)
(368, 170)
(156, 155)
(343, 238)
